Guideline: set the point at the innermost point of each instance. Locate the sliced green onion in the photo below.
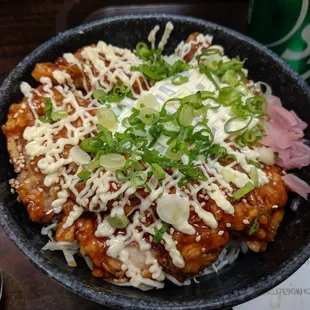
(234, 64)
(200, 132)
(149, 116)
(183, 181)
(178, 67)
(228, 96)
(107, 118)
(154, 72)
(230, 77)
(92, 165)
(134, 165)
(105, 135)
(174, 153)
(155, 132)
(121, 176)
(240, 109)
(208, 52)
(186, 115)
(138, 179)
(100, 95)
(239, 193)
(48, 108)
(160, 232)
(124, 146)
(58, 115)
(91, 145)
(237, 124)
(254, 176)
(147, 186)
(255, 164)
(205, 69)
(84, 175)
(159, 172)
(171, 127)
(147, 101)
(141, 142)
(243, 89)
(118, 221)
(252, 135)
(179, 80)
(255, 226)
(112, 161)
(257, 105)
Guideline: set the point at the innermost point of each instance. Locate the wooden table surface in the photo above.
(23, 26)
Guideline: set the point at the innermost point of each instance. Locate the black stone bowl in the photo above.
(252, 274)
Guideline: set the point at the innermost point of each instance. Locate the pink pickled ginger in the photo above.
(285, 131)
(296, 185)
(284, 136)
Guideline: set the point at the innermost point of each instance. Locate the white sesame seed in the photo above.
(198, 238)
(171, 231)
(36, 169)
(187, 191)
(246, 222)
(221, 232)
(176, 242)
(151, 238)
(203, 250)
(12, 191)
(207, 197)
(201, 196)
(22, 165)
(274, 183)
(114, 185)
(203, 204)
(228, 225)
(115, 203)
(244, 200)
(275, 207)
(40, 189)
(56, 188)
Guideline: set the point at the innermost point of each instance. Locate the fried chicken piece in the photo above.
(264, 204)
(77, 74)
(29, 183)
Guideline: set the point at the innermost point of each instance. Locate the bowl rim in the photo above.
(71, 282)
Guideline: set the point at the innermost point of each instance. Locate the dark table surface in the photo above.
(23, 26)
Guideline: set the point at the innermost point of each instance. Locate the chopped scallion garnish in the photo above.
(239, 193)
